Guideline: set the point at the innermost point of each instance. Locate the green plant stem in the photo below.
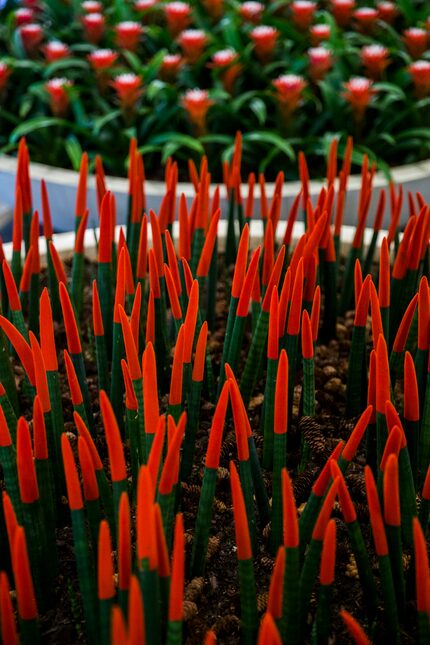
(307, 581)
(323, 614)
(394, 539)
(389, 597)
(245, 475)
(356, 365)
(117, 383)
(269, 414)
(193, 419)
(248, 602)
(279, 461)
(150, 586)
(77, 282)
(203, 522)
(104, 284)
(253, 360)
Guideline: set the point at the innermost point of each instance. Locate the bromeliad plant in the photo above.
(136, 404)
(183, 77)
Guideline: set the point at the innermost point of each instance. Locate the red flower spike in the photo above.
(293, 327)
(150, 320)
(274, 602)
(12, 291)
(190, 321)
(362, 308)
(384, 275)
(7, 620)
(17, 222)
(358, 281)
(47, 337)
(39, 431)
(188, 275)
(307, 339)
(269, 254)
(135, 316)
(28, 488)
(27, 608)
(5, 438)
(80, 235)
(283, 302)
(128, 273)
(10, 519)
(73, 486)
(377, 329)
(311, 276)
(273, 336)
(149, 369)
(392, 446)
(130, 397)
(325, 512)
(268, 633)
(382, 375)
(105, 237)
(105, 583)
(405, 324)
(354, 629)
(328, 555)
(74, 387)
(40, 374)
(401, 261)
(120, 287)
(348, 509)
(281, 395)
(249, 208)
(371, 387)
(411, 400)
(416, 243)
(84, 433)
(89, 480)
(24, 285)
(216, 431)
(304, 177)
(173, 263)
(422, 573)
(72, 333)
(393, 419)
(153, 275)
(210, 638)
(379, 537)
(81, 194)
(143, 249)
(423, 315)
(320, 486)
(315, 236)
(391, 492)
(124, 543)
(130, 347)
(34, 241)
(175, 395)
(163, 553)
(256, 289)
(119, 634)
(169, 475)
(274, 278)
(184, 229)
(425, 494)
(248, 283)
(157, 245)
(176, 598)
(289, 513)
(200, 355)
(208, 248)
(315, 313)
(243, 541)
(354, 440)
(145, 521)
(292, 216)
(136, 617)
(21, 347)
(240, 425)
(113, 439)
(57, 263)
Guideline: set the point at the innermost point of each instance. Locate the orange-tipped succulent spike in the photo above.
(75, 389)
(325, 512)
(40, 443)
(243, 541)
(377, 328)
(348, 509)
(328, 555)
(89, 478)
(273, 335)
(382, 375)
(130, 346)
(248, 282)
(145, 521)
(173, 294)
(170, 473)
(113, 440)
(29, 490)
(268, 633)
(40, 374)
(81, 194)
(130, 396)
(190, 322)
(150, 320)
(119, 633)
(58, 265)
(294, 316)
(12, 290)
(384, 275)
(105, 579)
(173, 262)
(124, 544)
(175, 395)
(289, 513)
(176, 599)
(411, 410)
(355, 630)
(200, 354)
(73, 486)
(239, 421)
(142, 254)
(136, 617)
(151, 409)
(355, 438)
(47, 336)
(422, 572)
(391, 492)
(423, 315)
(208, 247)
(27, 608)
(269, 254)
(307, 338)
(24, 285)
(7, 620)
(274, 602)
(72, 332)
(281, 395)
(21, 347)
(162, 550)
(379, 537)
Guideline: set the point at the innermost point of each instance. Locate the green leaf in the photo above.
(180, 140)
(64, 64)
(258, 107)
(423, 133)
(100, 123)
(38, 123)
(74, 151)
(271, 139)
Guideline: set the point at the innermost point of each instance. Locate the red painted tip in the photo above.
(320, 486)
(422, 573)
(311, 276)
(97, 312)
(393, 419)
(154, 458)
(281, 395)
(150, 389)
(249, 208)
(325, 512)
(135, 316)
(276, 589)
(354, 629)
(362, 308)
(57, 263)
(426, 486)
(89, 479)
(81, 194)
(157, 245)
(141, 266)
(348, 509)
(130, 346)
(184, 229)
(75, 388)
(292, 216)
(384, 275)
(12, 291)
(173, 263)
(417, 240)
(136, 617)
(328, 555)
(268, 633)
(28, 488)
(401, 261)
(175, 395)
(47, 337)
(371, 387)
(72, 333)
(392, 445)
(315, 236)
(105, 235)
(289, 513)
(24, 285)
(80, 235)
(378, 530)
(411, 400)
(358, 280)
(120, 287)
(273, 336)
(243, 541)
(315, 313)
(293, 326)
(200, 355)
(208, 248)
(332, 162)
(283, 302)
(163, 553)
(307, 338)
(150, 320)
(377, 328)
(154, 281)
(188, 275)
(356, 436)
(176, 597)
(403, 330)
(269, 254)
(130, 397)
(119, 634)
(274, 278)
(40, 374)
(27, 608)
(190, 321)
(10, 519)
(248, 283)
(84, 433)
(73, 486)
(2, 390)
(216, 431)
(173, 294)
(391, 492)
(5, 438)
(382, 375)
(39, 431)
(113, 440)
(105, 583)
(7, 619)
(145, 524)
(170, 472)
(240, 425)
(423, 315)
(124, 543)
(17, 222)
(21, 347)
(210, 638)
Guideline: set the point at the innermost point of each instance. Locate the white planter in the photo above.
(62, 184)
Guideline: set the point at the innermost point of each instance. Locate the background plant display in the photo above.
(183, 78)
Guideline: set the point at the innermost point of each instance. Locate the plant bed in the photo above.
(312, 396)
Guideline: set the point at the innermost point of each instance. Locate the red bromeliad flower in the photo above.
(303, 13)
(420, 72)
(5, 72)
(359, 93)
(192, 42)
(196, 102)
(387, 11)
(318, 33)
(342, 11)
(31, 36)
(214, 8)
(94, 27)
(264, 38)
(24, 16)
(92, 6)
(144, 5)
(289, 88)
(58, 90)
(177, 16)
(365, 18)
(375, 60)
(251, 11)
(320, 62)
(128, 89)
(102, 59)
(226, 61)
(170, 67)
(128, 34)
(415, 40)
(55, 50)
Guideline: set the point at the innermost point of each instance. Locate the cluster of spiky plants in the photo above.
(123, 472)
